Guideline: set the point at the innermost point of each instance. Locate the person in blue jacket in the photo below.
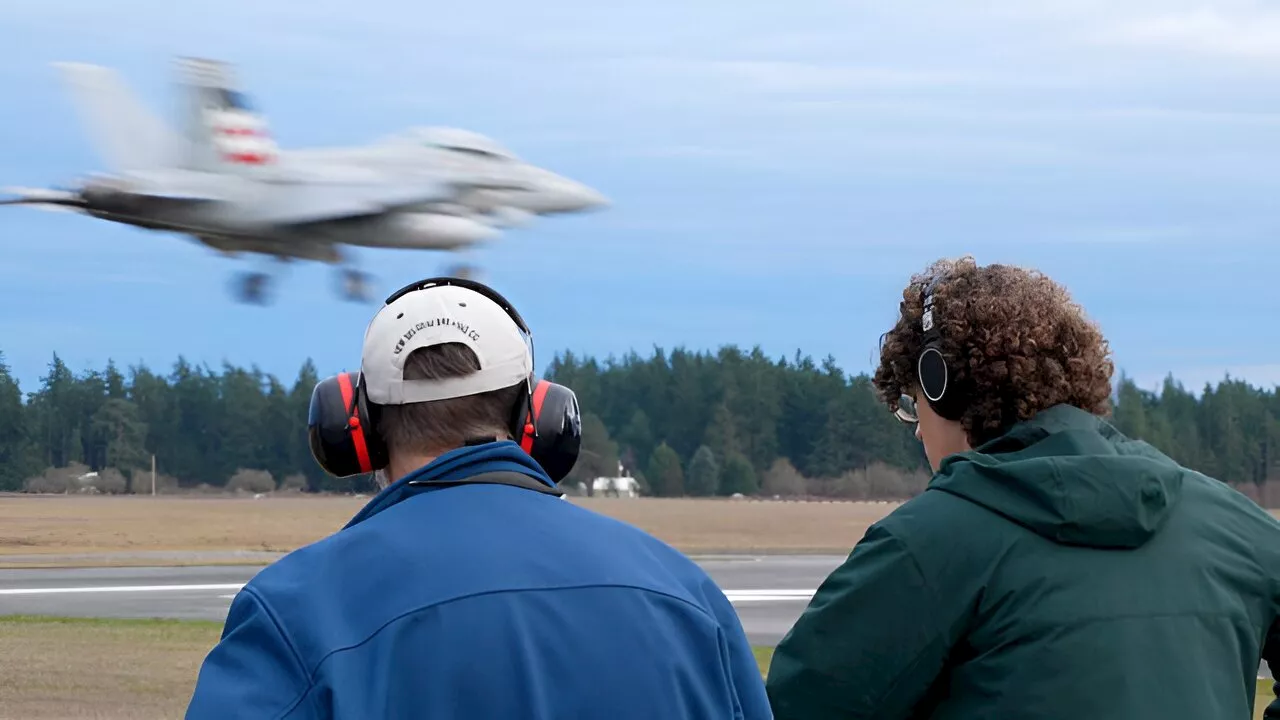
(468, 588)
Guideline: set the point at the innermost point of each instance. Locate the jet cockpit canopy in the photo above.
(458, 140)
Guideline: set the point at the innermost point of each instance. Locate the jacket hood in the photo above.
(1069, 476)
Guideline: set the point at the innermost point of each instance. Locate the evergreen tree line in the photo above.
(680, 422)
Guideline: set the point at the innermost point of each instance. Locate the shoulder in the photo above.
(934, 520)
(1229, 516)
(668, 568)
(598, 547)
(1207, 491)
(951, 541)
(331, 593)
(1218, 509)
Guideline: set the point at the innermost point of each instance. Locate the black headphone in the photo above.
(947, 398)
(342, 422)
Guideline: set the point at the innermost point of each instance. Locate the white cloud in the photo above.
(730, 155)
(1251, 34)
(784, 76)
(1205, 115)
(832, 79)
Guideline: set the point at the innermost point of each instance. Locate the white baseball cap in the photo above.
(437, 315)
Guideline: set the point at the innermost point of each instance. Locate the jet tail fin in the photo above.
(123, 132)
(227, 133)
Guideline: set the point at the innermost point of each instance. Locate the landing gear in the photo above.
(462, 271)
(253, 288)
(355, 286)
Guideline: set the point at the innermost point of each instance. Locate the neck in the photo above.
(401, 465)
(444, 468)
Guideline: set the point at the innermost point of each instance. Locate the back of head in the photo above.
(428, 429)
(1016, 348)
(1014, 342)
(444, 364)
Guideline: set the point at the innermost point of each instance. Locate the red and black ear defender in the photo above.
(945, 395)
(342, 422)
(341, 429)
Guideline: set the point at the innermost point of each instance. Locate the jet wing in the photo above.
(170, 184)
(43, 199)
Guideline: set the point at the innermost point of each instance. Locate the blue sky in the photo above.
(778, 170)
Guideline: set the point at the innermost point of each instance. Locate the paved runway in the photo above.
(768, 591)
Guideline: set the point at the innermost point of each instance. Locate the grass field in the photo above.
(41, 531)
(126, 669)
(109, 528)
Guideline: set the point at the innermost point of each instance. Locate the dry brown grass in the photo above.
(34, 526)
(118, 669)
(36, 530)
(53, 524)
(698, 525)
(133, 669)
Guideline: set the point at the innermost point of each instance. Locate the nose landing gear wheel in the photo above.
(355, 286)
(462, 271)
(253, 288)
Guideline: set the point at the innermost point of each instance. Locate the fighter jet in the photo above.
(409, 153)
(226, 183)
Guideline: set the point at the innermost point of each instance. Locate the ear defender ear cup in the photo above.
(945, 396)
(340, 428)
(549, 428)
(932, 370)
(936, 384)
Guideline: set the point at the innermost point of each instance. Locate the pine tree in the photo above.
(738, 476)
(797, 425)
(665, 475)
(15, 449)
(703, 478)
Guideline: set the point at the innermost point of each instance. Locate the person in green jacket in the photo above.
(1054, 568)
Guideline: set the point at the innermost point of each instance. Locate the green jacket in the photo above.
(1060, 571)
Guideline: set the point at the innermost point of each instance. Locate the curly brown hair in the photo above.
(1013, 339)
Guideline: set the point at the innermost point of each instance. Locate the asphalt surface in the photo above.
(769, 591)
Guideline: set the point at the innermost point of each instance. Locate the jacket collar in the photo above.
(464, 462)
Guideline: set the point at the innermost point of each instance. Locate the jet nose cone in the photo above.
(583, 197)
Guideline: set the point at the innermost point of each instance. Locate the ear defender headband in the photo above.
(342, 422)
(936, 382)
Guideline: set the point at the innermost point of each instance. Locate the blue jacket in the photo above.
(481, 601)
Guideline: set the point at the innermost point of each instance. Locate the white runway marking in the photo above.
(118, 588)
(735, 596)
